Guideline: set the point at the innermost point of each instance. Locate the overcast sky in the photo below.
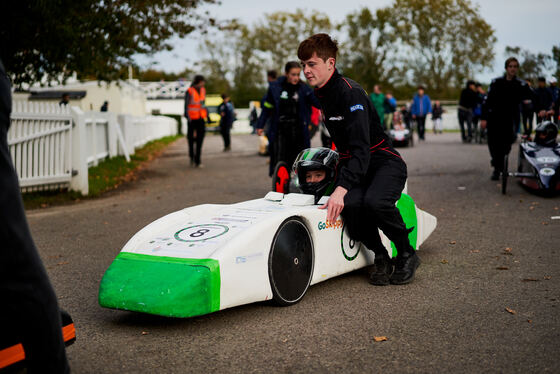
(530, 24)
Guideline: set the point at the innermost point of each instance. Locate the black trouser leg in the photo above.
(421, 122)
(225, 131)
(498, 147)
(191, 139)
(372, 205)
(465, 118)
(200, 132)
(29, 311)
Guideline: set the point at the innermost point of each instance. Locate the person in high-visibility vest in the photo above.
(196, 115)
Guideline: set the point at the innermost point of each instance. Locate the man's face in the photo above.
(293, 75)
(316, 71)
(512, 68)
(200, 84)
(314, 176)
(376, 89)
(420, 91)
(542, 84)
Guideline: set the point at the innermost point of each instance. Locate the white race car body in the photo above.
(212, 257)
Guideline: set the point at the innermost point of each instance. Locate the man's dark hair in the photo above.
(511, 59)
(224, 96)
(469, 82)
(64, 94)
(291, 65)
(272, 74)
(478, 84)
(321, 44)
(420, 87)
(197, 79)
(541, 79)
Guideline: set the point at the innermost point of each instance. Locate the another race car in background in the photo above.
(538, 164)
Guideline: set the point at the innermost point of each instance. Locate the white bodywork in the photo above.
(240, 236)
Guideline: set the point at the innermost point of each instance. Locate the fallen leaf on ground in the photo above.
(144, 333)
(531, 207)
(545, 223)
(502, 268)
(530, 280)
(511, 311)
(444, 261)
(380, 338)
(62, 263)
(453, 242)
(547, 277)
(284, 340)
(44, 205)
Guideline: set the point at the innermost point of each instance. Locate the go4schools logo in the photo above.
(330, 225)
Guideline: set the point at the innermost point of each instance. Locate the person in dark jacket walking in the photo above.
(544, 101)
(528, 112)
(288, 105)
(467, 104)
(437, 113)
(500, 113)
(371, 174)
(227, 114)
(29, 312)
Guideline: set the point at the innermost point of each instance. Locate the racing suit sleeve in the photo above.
(357, 130)
(267, 108)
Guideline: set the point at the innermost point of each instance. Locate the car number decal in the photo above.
(202, 232)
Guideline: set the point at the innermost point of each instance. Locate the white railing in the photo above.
(40, 140)
(54, 146)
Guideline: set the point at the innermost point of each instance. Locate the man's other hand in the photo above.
(335, 204)
(259, 132)
(483, 124)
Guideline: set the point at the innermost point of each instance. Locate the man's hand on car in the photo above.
(335, 204)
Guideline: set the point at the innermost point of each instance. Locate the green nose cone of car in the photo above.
(166, 286)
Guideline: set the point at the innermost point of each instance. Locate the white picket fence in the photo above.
(53, 146)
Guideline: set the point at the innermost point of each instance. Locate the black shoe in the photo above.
(405, 267)
(381, 271)
(495, 175)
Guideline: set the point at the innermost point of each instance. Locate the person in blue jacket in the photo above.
(288, 106)
(421, 107)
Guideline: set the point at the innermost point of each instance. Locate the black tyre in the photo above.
(290, 263)
(281, 178)
(505, 174)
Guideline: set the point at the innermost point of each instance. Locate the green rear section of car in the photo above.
(166, 286)
(408, 212)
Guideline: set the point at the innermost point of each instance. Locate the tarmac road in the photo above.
(490, 252)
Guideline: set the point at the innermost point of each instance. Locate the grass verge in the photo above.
(107, 175)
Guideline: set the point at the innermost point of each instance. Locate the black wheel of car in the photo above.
(505, 174)
(281, 178)
(290, 263)
(520, 159)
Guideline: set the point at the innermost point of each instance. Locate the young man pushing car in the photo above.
(371, 174)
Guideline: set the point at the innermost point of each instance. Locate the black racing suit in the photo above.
(29, 313)
(501, 110)
(370, 169)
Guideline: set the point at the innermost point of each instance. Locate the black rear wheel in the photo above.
(505, 174)
(290, 263)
